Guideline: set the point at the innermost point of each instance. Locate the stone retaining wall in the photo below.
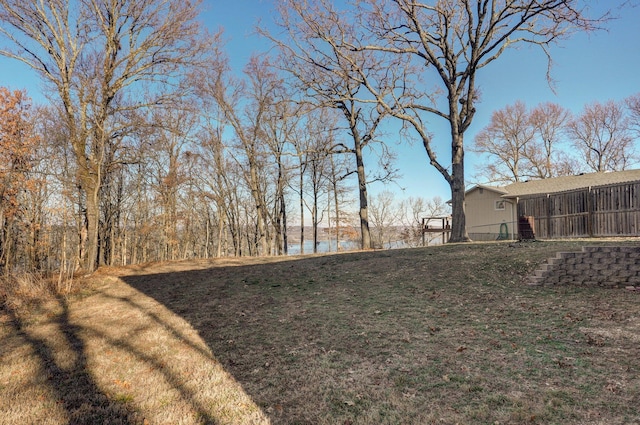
(607, 266)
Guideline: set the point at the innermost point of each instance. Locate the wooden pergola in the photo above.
(440, 225)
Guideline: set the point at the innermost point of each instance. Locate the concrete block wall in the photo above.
(607, 266)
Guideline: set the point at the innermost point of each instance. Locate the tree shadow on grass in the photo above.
(261, 325)
(61, 348)
(176, 382)
(73, 386)
(375, 338)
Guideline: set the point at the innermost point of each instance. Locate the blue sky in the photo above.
(587, 68)
(597, 67)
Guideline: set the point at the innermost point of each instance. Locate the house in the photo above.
(489, 215)
(585, 205)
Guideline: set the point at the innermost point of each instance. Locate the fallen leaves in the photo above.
(122, 384)
(277, 409)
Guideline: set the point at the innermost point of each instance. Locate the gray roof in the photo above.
(566, 183)
(498, 189)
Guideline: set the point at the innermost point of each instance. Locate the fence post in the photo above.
(589, 212)
(549, 214)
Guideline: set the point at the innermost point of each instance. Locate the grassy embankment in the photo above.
(444, 335)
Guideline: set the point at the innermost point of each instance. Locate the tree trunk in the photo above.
(314, 219)
(222, 234)
(329, 220)
(301, 212)
(458, 225)
(283, 211)
(365, 241)
(4, 243)
(92, 216)
(334, 188)
(261, 208)
(337, 220)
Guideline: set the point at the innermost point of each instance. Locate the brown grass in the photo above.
(432, 335)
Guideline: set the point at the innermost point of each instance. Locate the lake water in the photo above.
(323, 247)
(330, 246)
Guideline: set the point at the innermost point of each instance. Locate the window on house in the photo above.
(500, 205)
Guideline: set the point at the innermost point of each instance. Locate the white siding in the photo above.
(483, 219)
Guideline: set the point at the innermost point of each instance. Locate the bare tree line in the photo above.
(209, 164)
(188, 187)
(549, 141)
(152, 148)
(185, 185)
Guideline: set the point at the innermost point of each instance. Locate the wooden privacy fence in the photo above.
(612, 210)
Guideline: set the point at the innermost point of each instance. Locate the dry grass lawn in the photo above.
(437, 335)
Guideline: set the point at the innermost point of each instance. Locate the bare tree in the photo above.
(215, 183)
(545, 157)
(633, 104)
(66, 204)
(281, 124)
(218, 181)
(445, 45)
(172, 132)
(313, 54)
(317, 166)
(194, 230)
(385, 217)
(315, 127)
(246, 107)
(338, 173)
(102, 60)
(301, 146)
(601, 134)
(524, 144)
(221, 178)
(505, 140)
